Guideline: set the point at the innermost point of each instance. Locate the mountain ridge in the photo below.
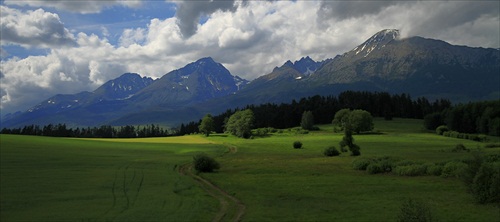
(384, 62)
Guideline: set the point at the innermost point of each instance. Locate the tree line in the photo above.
(104, 131)
(323, 108)
(473, 118)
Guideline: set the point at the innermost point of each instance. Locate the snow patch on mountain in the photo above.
(377, 41)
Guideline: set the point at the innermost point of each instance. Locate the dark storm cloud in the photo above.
(189, 13)
(352, 9)
(448, 15)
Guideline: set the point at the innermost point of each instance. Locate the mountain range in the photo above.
(385, 62)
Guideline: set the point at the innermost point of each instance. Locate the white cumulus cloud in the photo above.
(33, 28)
(250, 38)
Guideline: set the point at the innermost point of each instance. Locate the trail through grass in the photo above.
(67, 179)
(279, 183)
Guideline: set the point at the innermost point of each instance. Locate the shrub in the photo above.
(404, 163)
(447, 133)
(297, 144)
(441, 129)
(298, 130)
(331, 151)
(261, 132)
(361, 163)
(454, 134)
(492, 158)
(460, 148)
(374, 168)
(414, 211)
(454, 169)
(411, 170)
(387, 163)
(482, 138)
(434, 170)
(355, 150)
(486, 184)
(204, 163)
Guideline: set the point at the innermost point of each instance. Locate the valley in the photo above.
(46, 178)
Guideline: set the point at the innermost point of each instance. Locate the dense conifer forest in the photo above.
(323, 108)
(475, 117)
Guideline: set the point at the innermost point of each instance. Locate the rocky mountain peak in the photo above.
(123, 87)
(377, 41)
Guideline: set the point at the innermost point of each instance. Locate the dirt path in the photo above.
(229, 205)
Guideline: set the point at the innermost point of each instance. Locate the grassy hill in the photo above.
(139, 179)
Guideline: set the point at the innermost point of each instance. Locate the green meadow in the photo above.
(66, 179)
(60, 179)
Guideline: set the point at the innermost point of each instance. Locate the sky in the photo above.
(51, 47)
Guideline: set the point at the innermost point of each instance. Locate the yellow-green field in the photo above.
(68, 179)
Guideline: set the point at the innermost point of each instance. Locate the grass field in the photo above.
(60, 179)
(137, 179)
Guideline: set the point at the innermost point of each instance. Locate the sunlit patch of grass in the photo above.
(188, 139)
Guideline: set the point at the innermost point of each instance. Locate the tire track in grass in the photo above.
(225, 199)
(138, 187)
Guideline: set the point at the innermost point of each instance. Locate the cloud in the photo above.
(83, 7)
(452, 21)
(249, 39)
(447, 20)
(33, 28)
(189, 13)
(353, 9)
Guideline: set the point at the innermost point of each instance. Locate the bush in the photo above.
(355, 150)
(454, 169)
(361, 163)
(414, 211)
(441, 129)
(298, 130)
(486, 184)
(387, 163)
(411, 170)
(434, 170)
(297, 144)
(204, 163)
(331, 151)
(404, 163)
(460, 148)
(261, 132)
(374, 168)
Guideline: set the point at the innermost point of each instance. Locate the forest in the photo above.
(105, 131)
(323, 108)
(473, 118)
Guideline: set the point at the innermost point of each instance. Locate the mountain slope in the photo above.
(196, 82)
(84, 108)
(123, 87)
(416, 65)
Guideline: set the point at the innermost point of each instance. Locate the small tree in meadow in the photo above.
(207, 125)
(307, 122)
(240, 123)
